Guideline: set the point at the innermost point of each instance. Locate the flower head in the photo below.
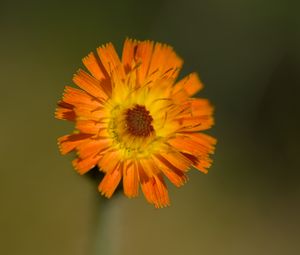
(135, 121)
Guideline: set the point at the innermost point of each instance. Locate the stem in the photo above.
(106, 239)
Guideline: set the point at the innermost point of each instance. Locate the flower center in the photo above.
(138, 121)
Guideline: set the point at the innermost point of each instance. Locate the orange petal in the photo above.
(164, 62)
(185, 144)
(206, 146)
(203, 164)
(180, 96)
(203, 138)
(94, 66)
(87, 114)
(130, 179)
(80, 98)
(65, 111)
(83, 104)
(89, 126)
(175, 159)
(189, 108)
(110, 181)
(92, 147)
(149, 167)
(204, 143)
(197, 107)
(198, 123)
(89, 84)
(142, 57)
(109, 161)
(162, 191)
(68, 143)
(193, 115)
(175, 175)
(190, 157)
(110, 60)
(196, 145)
(154, 189)
(129, 50)
(191, 84)
(84, 165)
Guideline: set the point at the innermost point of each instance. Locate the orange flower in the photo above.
(135, 122)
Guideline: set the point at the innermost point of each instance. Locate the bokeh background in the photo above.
(247, 53)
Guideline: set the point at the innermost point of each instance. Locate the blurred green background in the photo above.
(247, 53)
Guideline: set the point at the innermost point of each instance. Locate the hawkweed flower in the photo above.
(135, 121)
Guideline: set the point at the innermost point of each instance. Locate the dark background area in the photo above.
(247, 54)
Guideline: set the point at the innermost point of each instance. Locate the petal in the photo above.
(95, 66)
(110, 60)
(130, 179)
(185, 124)
(84, 105)
(110, 181)
(65, 111)
(154, 188)
(193, 115)
(109, 161)
(89, 84)
(90, 126)
(191, 84)
(197, 107)
(162, 192)
(187, 108)
(206, 146)
(84, 165)
(203, 164)
(175, 159)
(129, 50)
(85, 113)
(185, 144)
(175, 175)
(164, 62)
(68, 143)
(203, 138)
(143, 55)
(180, 96)
(92, 147)
(80, 98)
(194, 143)
(149, 167)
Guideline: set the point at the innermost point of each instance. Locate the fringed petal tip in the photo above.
(110, 182)
(64, 111)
